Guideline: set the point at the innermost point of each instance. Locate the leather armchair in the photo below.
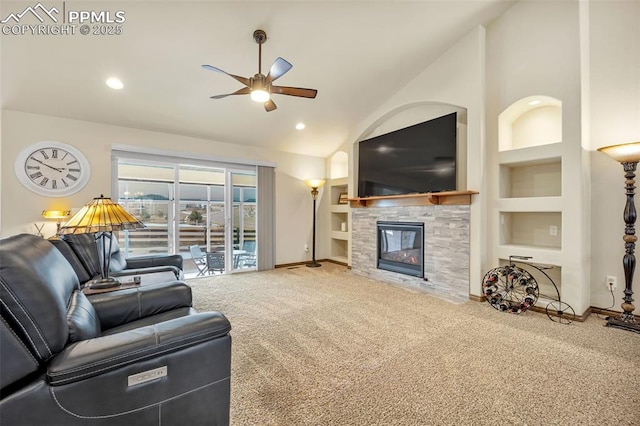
(84, 252)
(140, 356)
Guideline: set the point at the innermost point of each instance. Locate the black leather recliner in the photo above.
(84, 252)
(140, 356)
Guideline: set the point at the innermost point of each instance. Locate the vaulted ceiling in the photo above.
(355, 53)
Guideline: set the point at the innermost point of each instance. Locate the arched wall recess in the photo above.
(414, 113)
(531, 121)
(339, 165)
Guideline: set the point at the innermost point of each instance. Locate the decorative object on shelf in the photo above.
(102, 216)
(513, 289)
(57, 215)
(314, 184)
(53, 169)
(628, 154)
(343, 226)
(343, 198)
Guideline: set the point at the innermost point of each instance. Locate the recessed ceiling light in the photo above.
(300, 126)
(534, 102)
(115, 83)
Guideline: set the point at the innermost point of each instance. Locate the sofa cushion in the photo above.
(17, 361)
(36, 284)
(72, 258)
(82, 319)
(84, 245)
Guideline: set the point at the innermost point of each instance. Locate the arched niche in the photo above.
(418, 112)
(531, 121)
(339, 165)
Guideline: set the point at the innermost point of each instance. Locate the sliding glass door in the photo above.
(183, 206)
(150, 200)
(243, 219)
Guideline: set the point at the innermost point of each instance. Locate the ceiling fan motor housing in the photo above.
(257, 83)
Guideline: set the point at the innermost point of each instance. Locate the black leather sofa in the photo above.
(84, 253)
(139, 356)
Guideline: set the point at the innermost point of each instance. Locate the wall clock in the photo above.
(52, 168)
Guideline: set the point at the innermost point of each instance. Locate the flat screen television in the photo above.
(416, 159)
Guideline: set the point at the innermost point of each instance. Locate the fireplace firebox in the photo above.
(401, 247)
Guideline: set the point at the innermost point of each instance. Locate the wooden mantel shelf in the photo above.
(425, 199)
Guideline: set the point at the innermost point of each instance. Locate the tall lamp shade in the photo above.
(628, 154)
(102, 216)
(314, 184)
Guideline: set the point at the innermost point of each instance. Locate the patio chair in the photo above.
(199, 259)
(215, 261)
(248, 259)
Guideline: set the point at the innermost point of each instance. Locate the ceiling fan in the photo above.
(259, 86)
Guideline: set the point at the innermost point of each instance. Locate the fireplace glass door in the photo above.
(400, 247)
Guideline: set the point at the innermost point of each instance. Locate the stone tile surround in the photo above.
(446, 247)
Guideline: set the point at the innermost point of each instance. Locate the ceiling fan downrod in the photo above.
(260, 37)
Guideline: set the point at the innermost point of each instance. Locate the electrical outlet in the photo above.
(612, 282)
(553, 230)
(306, 248)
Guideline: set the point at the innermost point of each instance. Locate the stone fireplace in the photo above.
(446, 247)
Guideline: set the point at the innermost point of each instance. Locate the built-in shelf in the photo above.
(535, 229)
(340, 208)
(340, 235)
(527, 180)
(425, 199)
(339, 220)
(530, 204)
(531, 155)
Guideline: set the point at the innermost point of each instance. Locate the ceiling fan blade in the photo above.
(243, 91)
(294, 91)
(242, 80)
(279, 68)
(270, 105)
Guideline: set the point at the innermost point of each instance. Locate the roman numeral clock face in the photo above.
(52, 168)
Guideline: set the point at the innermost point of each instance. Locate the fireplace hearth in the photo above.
(401, 247)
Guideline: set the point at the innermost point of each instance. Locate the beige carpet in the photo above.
(321, 346)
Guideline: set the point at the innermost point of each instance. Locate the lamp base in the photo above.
(101, 283)
(313, 264)
(617, 322)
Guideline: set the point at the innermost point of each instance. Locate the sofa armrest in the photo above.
(119, 307)
(92, 357)
(138, 262)
(178, 274)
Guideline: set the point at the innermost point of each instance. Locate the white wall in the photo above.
(614, 118)
(21, 208)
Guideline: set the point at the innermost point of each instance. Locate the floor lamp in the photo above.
(314, 184)
(628, 154)
(102, 216)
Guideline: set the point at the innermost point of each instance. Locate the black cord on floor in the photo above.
(613, 303)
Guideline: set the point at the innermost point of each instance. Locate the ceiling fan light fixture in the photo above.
(259, 95)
